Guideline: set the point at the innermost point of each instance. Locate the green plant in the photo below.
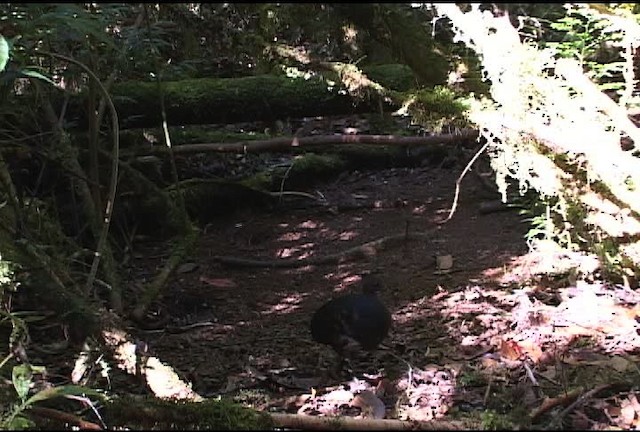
(592, 40)
(548, 125)
(13, 417)
(491, 420)
(436, 108)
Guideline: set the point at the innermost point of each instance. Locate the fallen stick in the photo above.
(64, 417)
(550, 403)
(581, 400)
(297, 421)
(362, 251)
(284, 143)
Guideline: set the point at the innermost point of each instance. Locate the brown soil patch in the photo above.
(261, 316)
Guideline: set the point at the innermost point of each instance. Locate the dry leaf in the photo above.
(385, 388)
(510, 350)
(627, 414)
(619, 363)
(338, 397)
(370, 404)
(218, 283)
(187, 268)
(532, 349)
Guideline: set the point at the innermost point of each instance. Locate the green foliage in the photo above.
(204, 101)
(590, 39)
(491, 420)
(13, 417)
(4, 53)
(436, 108)
(394, 76)
(8, 283)
(540, 221)
(211, 414)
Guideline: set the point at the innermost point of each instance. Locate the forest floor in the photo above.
(478, 341)
(505, 337)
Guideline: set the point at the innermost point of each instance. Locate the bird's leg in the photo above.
(339, 365)
(345, 351)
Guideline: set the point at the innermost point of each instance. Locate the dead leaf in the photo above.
(218, 283)
(187, 268)
(488, 362)
(627, 414)
(370, 404)
(510, 350)
(385, 388)
(532, 349)
(338, 397)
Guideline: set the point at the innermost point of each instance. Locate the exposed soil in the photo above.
(261, 315)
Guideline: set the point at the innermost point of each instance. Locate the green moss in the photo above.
(261, 181)
(434, 108)
(157, 414)
(310, 168)
(208, 198)
(230, 100)
(397, 77)
(491, 420)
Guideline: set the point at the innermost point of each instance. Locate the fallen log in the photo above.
(285, 143)
(249, 98)
(304, 422)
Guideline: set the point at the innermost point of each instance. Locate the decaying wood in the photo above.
(581, 400)
(550, 403)
(365, 250)
(285, 143)
(295, 421)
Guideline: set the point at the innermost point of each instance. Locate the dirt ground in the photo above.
(514, 334)
(259, 317)
(509, 331)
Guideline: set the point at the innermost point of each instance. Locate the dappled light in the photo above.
(319, 216)
(287, 304)
(301, 251)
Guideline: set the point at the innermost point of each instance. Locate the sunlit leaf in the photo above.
(67, 390)
(19, 423)
(38, 75)
(4, 53)
(21, 378)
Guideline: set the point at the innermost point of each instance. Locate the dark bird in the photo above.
(353, 319)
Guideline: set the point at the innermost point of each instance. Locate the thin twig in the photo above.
(533, 379)
(487, 391)
(284, 178)
(464, 172)
(582, 399)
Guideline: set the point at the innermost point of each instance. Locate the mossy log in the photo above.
(156, 414)
(229, 100)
